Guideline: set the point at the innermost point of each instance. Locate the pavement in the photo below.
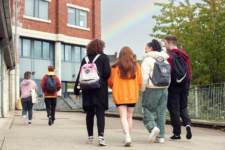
(69, 133)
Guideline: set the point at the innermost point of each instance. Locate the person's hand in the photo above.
(76, 97)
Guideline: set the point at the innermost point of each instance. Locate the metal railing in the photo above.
(205, 102)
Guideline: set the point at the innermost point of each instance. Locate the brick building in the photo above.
(54, 32)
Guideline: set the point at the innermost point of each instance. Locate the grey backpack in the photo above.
(161, 73)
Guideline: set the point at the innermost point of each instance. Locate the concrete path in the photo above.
(69, 133)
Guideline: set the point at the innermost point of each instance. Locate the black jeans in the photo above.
(177, 106)
(27, 107)
(50, 107)
(100, 113)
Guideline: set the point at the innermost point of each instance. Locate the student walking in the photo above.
(179, 87)
(95, 94)
(154, 96)
(125, 80)
(50, 85)
(25, 87)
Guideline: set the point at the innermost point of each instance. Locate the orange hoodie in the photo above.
(125, 91)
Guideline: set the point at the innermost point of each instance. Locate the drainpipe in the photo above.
(9, 87)
(15, 54)
(2, 60)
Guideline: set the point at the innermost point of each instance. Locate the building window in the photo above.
(72, 53)
(36, 49)
(36, 8)
(77, 17)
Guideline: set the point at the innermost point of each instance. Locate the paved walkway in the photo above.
(69, 133)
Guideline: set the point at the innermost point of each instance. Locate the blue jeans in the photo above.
(27, 107)
(155, 100)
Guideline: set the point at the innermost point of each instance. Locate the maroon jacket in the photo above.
(58, 83)
(184, 55)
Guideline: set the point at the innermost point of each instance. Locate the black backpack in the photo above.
(161, 73)
(50, 84)
(180, 70)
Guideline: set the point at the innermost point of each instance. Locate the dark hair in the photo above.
(171, 39)
(126, 63)
(27, 75)
(50, 68)
(95, 46)
(155, 45)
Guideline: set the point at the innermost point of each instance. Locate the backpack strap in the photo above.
(87, 59)
(173, 54)
(96, 57)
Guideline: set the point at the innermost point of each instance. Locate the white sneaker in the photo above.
(24, 119)
(101, 141)
(127, 141)
(155, 131)
(159, 140)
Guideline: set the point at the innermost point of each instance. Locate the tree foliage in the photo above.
(200, 29)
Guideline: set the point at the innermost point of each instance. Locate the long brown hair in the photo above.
(95, 46)
(126, 63)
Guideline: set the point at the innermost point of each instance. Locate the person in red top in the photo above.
(50, 89)
(178, 94)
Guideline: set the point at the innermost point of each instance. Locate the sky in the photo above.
(128, 23)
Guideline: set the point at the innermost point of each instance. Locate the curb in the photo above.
(194, 123)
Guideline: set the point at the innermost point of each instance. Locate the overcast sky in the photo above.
(128, 23)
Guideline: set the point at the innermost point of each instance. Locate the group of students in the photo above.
(125, 78)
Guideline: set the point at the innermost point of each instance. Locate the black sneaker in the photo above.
(49, 120)
(189, 134)
(175, 138)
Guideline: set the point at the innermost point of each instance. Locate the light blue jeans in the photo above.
(155, 100)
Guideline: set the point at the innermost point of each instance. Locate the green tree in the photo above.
(200, 29)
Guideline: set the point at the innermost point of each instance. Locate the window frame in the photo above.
(32, 41)
(82, 48)
(36, 14)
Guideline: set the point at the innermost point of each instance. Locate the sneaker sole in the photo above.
(189, 134)
(100, 144)
(152, 137)
(127, 144)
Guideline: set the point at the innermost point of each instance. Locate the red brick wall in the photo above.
(58, 14)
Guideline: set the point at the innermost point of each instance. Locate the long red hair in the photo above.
(126, 63)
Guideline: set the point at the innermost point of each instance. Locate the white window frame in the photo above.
(80, 8)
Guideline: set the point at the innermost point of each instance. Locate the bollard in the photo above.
(19, 105)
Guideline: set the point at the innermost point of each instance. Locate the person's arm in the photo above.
(106, 68)
(139, 75)
(111, 78)
(189, 69)
(43, 84)
(145, 68)
(76, 90)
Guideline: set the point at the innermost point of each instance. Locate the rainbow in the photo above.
(131, 21)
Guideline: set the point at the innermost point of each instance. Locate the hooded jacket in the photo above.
(26, 86)
(184, 55)
(147, 68)
(58, 84)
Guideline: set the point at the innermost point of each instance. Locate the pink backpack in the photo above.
(89, 76)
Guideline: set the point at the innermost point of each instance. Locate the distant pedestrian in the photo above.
(95, 99)
(179, 87)
(125, 80)
(50, 85)
(25, 87)
(154, 97)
